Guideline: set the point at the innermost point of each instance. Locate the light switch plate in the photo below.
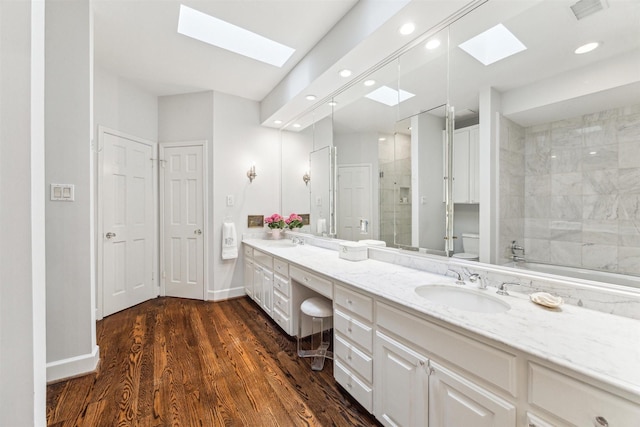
(230, 200)
(63, 192)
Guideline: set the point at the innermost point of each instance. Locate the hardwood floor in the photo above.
(177, 362)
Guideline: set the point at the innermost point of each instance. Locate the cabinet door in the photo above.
(461, 147)
(258, 274)
(474, 165)
(267, 291)
(456, 401)
(401, 384)
(248, 277)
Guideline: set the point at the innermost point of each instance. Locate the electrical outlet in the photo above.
(230, 200)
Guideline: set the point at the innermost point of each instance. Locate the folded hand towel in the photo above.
(229, 241)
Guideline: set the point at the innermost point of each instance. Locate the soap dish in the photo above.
(546, 299)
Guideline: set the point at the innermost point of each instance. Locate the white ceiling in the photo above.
(138, 40)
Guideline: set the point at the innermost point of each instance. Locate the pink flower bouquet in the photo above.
(294, 221)
(275, 221)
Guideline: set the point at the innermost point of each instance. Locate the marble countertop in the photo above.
(599, 345)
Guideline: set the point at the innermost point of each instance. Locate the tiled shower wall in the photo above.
(581, 190)
(512, 179)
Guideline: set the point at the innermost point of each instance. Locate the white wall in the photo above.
(121, 105)
(71, 341)
(239, 140)
(235, 140)
(22, 257)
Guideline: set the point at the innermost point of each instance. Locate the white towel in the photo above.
(229, 241)
(321, 226)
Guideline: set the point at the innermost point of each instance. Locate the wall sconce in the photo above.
(306, 178)
(251, 173)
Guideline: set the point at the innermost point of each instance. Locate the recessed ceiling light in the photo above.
(432, 44)
(216, 32)
(593, 153)
(493, 45)
(388, 96)
(310, 97)
(296, 125)
(277, 122)
(407, 28)
(381, 139)
(345, 73)
(333, 103)
(586, 48)
(369, 82)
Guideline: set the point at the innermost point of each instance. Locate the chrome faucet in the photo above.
(516, 248)
(475, 277)
(502, 290)
(459, 280)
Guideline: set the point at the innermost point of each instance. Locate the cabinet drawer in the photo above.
(356, 388)
(353, 358)
(355, 302)
(489, 363)
(354, 330)
(281, 302)
(281, 284)
(282, 320)
(312, 281)
(576, 402)
(248, 251)
(263, 259)
(280, 267)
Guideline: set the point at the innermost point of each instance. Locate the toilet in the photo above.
(470, 246)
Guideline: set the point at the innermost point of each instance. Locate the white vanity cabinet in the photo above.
(282, 309)
(353, 343)
(263, 280)
(401, 383)
(466, 164)
(421, 373)
(574, 402)
(248, 271)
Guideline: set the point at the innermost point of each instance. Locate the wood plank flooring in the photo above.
(177, 362)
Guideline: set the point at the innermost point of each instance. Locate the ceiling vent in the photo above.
(584, 8)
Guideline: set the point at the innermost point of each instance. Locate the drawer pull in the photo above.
(601, 422)
(306, 279)
(349, 358)
(349, 330)
(349, 385)
(532, 425)
(349, 301)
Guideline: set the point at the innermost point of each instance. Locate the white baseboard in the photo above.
(225, 294)
(73, 366)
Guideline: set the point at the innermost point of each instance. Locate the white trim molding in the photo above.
(73, 366)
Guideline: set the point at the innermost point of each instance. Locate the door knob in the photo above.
(198, 232)
(110, 235)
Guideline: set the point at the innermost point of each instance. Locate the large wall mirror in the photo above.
(544, 149)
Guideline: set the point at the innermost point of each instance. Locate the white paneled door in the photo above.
(354, 202)
(182, 207)
(128, 226)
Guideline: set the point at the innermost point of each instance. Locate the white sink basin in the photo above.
(462, 298)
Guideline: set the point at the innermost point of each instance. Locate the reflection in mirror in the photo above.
(321, 191)
(364, 117)
(566, 128)
(296, 147)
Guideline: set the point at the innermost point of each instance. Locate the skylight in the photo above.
(493, 45)
(216, 32)
(388, 96)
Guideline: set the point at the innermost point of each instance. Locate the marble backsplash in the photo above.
(591, 295)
